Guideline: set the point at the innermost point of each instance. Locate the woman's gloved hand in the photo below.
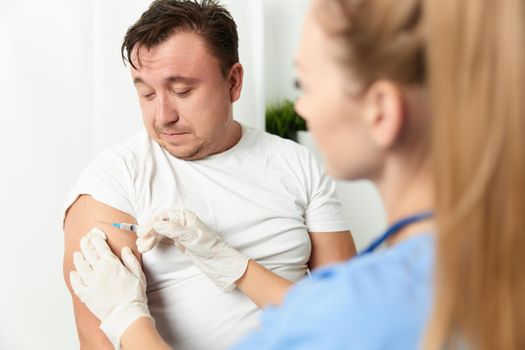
(220, 262)
(114, 292)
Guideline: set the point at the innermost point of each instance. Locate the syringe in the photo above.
(125, 226)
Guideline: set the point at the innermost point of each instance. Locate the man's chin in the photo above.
(181, 149)
(183, 152)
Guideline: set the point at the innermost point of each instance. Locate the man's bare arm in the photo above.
(330, 247)
(264, 287)
(82, 216)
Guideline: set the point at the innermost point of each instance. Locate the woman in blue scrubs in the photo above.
(370, 73)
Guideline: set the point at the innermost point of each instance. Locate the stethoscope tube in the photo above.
(395, 227)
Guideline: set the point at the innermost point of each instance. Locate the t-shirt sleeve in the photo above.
(108, 179)
(324, 212)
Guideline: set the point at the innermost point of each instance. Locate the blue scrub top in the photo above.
(375, 301)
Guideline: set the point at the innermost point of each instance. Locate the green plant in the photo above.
(282, 120)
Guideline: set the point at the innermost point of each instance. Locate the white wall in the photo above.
(283, 24)
(45, 138)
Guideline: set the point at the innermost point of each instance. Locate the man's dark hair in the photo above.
(206, 18)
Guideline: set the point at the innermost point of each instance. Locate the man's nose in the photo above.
(166, 111)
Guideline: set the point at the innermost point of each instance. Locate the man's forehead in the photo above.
(185, 46)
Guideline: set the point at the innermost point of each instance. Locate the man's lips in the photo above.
(173, 133)
(173, 137)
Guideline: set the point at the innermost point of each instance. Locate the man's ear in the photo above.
(235, 78)
(385, 112)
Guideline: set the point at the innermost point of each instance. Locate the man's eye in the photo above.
(149, 96)
(182, 93)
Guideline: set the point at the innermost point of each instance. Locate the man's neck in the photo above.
(231, 138)
(234, 137)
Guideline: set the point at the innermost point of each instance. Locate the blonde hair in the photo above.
(470, 55)
(476, 79)
(376, 39)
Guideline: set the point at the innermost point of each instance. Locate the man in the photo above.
(267, 197)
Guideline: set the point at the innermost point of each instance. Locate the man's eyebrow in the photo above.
(181, 79)
(170, 80)
(138, 80)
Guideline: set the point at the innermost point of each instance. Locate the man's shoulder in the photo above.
(273, 142)
(109, 177)
(123, 156)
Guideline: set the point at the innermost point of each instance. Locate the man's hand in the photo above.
(113, 292)
(220, 262)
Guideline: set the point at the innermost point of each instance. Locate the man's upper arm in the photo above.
(330, 247)
(81, 217)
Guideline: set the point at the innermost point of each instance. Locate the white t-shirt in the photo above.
(262, 196)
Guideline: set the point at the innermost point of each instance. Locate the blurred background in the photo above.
(65, 96)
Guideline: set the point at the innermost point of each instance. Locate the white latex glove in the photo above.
(220, 262)
(113, 292)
